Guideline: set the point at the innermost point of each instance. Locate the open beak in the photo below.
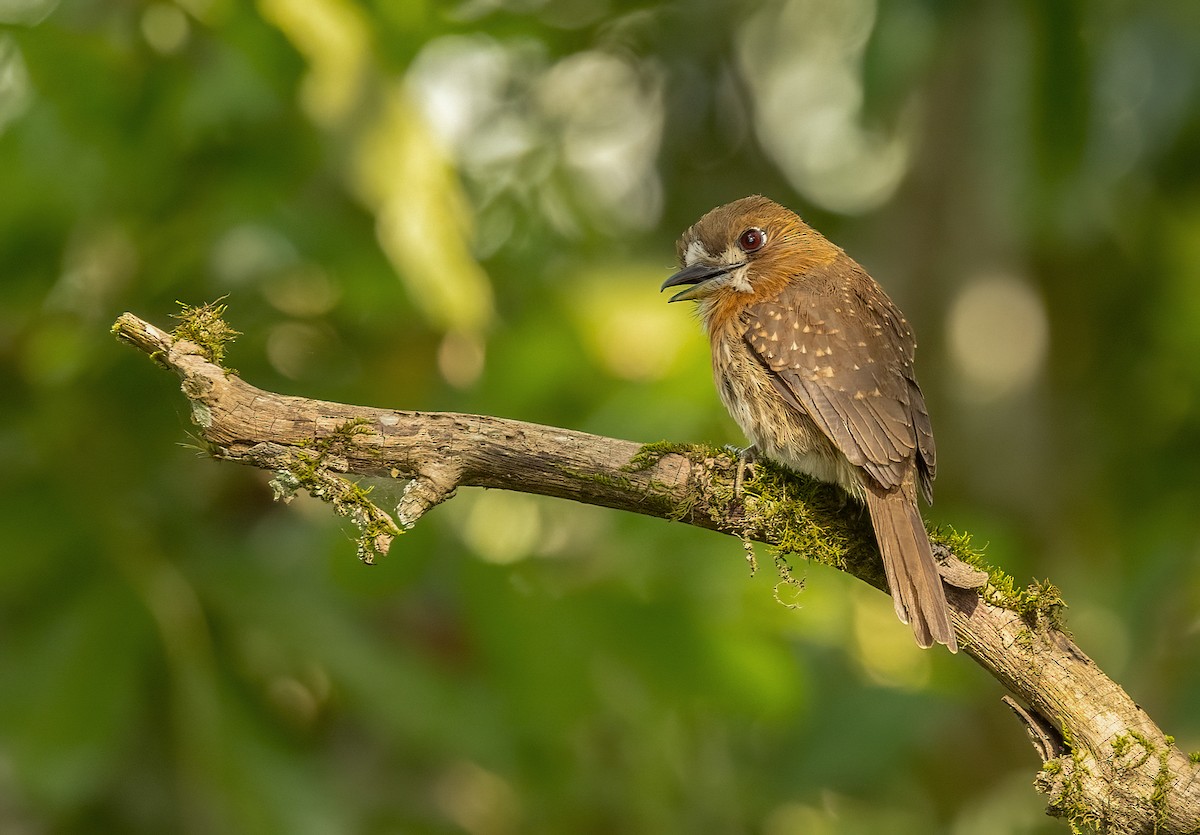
(699, 276)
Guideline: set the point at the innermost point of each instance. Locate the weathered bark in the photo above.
(1106, 765)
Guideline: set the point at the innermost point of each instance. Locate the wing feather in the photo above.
(847, 363)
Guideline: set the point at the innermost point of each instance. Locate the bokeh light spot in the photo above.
(885, 647)
(294, 347)
(802, 61)
(481, 802)
(503, 527)
(165, 28)
(25, 12)
(248, 251)
(460, 358)
(998, 336)
(15, 94)
(305, 290)
(626, 325)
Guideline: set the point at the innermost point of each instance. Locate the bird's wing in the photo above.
(839, 350)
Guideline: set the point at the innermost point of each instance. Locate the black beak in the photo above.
(696, 275)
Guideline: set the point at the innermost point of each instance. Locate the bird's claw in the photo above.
(745, 459)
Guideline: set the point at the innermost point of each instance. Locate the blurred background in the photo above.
(470, 206)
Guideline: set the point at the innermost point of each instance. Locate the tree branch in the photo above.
(1106, 765)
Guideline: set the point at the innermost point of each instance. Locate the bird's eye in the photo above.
(752, 240)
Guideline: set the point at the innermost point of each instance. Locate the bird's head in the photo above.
(743, 250)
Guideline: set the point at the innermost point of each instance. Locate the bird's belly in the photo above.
(780, 431)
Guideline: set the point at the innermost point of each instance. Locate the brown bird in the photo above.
(815, 363)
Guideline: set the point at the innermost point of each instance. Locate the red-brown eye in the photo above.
(752, 240)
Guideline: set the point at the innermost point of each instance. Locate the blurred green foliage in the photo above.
(469, 206)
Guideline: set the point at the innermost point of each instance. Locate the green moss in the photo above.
(1042, 600)
(1080, 816)
(342, 438)
(684, 507)
(751, 557)
(676, 506)
(1122, 744)
(616, 482)
(1194, 758)
(818, 522)
(959, 542)
(206, 327)
(1067, 775)
(1039, 601)
(1144, 741)
(305, 469)
(788, 584)
(1024, 638)
(810, 519)
(650, 454)
(806, 518)
(1159, 797)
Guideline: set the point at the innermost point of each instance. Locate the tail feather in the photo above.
(908, 563)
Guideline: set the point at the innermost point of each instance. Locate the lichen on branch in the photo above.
(311, 469)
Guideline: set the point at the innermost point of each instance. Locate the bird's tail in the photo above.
(912, 574)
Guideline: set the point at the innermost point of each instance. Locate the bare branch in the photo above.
(1106, 765)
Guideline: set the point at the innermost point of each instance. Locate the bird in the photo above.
(815, 363)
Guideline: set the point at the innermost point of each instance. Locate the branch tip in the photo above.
(432, 485)
(961, 575)
(142, 335)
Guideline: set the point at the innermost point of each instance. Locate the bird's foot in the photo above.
(745, 458)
